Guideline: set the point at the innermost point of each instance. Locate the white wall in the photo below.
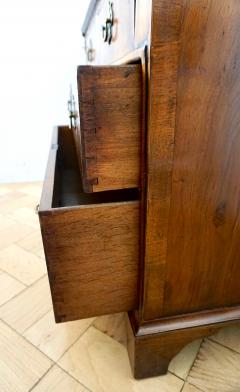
(40, 47)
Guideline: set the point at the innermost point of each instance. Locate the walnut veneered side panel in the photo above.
(203, 261)
(110, 126)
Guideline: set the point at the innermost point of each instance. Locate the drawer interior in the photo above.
(68, 189)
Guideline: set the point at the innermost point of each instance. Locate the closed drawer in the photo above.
(91, 242)
(110, 105)
(99, 51)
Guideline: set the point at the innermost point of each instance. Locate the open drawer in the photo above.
(109, 137)
(91, 241)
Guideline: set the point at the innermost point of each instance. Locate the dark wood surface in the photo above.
(92, 258)
(110, 100)
(203, 260)
(160, 148)
(92, 250)
(183, 321)
(193, 187)
(47, 191)
(151, 354)
(191, 257)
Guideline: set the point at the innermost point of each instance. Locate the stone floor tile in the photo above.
(54, 339)
(21, 264)
(14, 200)
(229, 337)
(21, 364)
(182, 362)
(25, 215)
(24, 310)
(14, 233)
(216, 369)
(5, 222)
(114, 325)
(9, 287)
(102, 365)
(56, 380)
(33, 243)
(190, 388)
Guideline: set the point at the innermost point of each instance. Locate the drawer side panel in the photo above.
(110, 102)
(92, 258)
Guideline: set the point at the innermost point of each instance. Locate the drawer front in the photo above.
(122, 32)
(91, 244)
(110, 105)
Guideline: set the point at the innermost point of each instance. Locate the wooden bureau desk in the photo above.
(140, 210)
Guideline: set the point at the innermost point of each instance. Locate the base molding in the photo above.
(152, 345)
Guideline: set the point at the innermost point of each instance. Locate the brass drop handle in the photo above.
(107, 28)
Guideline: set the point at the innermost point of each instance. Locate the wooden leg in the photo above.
(151, 353)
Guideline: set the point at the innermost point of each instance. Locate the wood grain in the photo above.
(161, 96)
(184, 321)
(47, 191)
(166, 21)
(192, 193)
(91, 243)
(93, 260)
(203, 269)
(110, 111)
(151, 354)
(160, 143)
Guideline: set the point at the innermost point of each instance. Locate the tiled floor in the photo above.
(89, 355)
